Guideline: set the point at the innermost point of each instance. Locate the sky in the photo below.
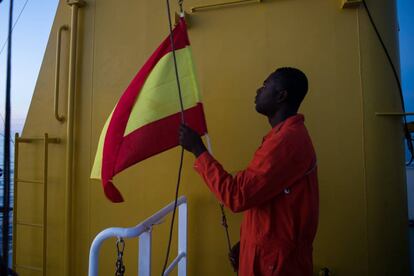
(30, 36)
(406, 21)
(32, 30)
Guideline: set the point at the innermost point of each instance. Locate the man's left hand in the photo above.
(191, 141)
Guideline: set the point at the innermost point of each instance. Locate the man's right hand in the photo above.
(191, 140)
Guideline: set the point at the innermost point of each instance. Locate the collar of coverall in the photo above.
(292, 120)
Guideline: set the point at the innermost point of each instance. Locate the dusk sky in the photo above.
(30, 37)
(406, 20)
(31, 34)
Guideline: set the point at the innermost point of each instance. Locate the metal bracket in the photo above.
(186, 18)
(79, 3)
(351, 3)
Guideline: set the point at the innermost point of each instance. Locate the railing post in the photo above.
(94, 257)
(144, 257)
(182, 239)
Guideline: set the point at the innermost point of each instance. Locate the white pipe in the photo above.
(174, 263)
(132, 232)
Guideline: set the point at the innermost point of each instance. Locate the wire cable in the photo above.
(14, 25)
(173, 215)
(175, 64)
(400, 90)
(182, 149)
(226, 226)
(224, 219)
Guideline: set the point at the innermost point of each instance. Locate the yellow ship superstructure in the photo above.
(99, 45)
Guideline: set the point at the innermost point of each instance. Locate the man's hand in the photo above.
(190, 140)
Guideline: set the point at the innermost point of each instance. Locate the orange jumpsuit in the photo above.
(278, 193)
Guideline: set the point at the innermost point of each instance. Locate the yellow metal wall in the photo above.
(362, 230)
(386, 200)
(30, 202)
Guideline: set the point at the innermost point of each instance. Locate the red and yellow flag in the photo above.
(145, 120)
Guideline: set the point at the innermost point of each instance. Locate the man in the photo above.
(278, 191)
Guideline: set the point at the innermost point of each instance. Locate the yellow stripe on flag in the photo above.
(97, 164)
(159, 95)
(158, 98)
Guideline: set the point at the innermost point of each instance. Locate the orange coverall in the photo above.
(278, 193)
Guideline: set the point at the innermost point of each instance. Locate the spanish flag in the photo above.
(146, 119)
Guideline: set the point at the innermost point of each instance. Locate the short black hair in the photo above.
(294, 81)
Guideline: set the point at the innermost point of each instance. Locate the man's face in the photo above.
(268, 97)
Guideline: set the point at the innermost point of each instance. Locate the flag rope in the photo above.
(224, 219)
(182, 149)
(175, 63)
(223, 214)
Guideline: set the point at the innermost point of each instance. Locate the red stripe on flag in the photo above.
(115, 133)
(152, 139)
(157, 137)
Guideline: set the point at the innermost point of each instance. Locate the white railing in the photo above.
(143, 231)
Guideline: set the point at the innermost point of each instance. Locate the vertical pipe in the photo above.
(94, 257)
(45, 162)
(182, 239)
(6, 191)
(16, 169)
(144, 256)
(69, 135)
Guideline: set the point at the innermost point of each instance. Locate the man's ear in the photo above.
(282, 96)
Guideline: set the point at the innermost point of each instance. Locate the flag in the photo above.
(146, 119)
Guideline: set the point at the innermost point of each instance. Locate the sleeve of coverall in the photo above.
(276, 165)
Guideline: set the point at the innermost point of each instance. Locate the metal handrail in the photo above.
(143, 231)
(57, 73)
(222, 5)
(37, 139)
